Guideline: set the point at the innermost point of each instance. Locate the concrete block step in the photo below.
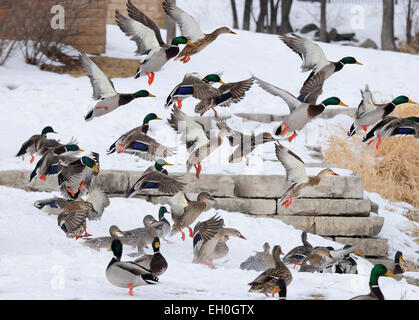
(367, 246)
(328, 207)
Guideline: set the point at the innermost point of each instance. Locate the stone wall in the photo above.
(152, 8)
(334, 209)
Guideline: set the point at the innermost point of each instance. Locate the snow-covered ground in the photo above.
(38, 261)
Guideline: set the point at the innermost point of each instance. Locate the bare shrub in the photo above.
(7, 45)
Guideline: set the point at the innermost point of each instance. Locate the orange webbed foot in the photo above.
(131, 292)
(292, 136)
(190, 232)
(285, 130)
(179, 104)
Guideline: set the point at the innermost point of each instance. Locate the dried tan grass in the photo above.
(392, 171)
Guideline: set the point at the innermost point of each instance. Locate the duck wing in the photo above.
(312, 89)
(101, 84)
(292, 163)
(366, 104)
(188, 25)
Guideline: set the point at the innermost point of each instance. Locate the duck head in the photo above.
(89, 162)
(182, 40)
(349, 60)
(151, 116)
(47, 129)
(148, 220)
(327, 172)
(156, 244)
(333, 101)
(213, 77)
(116, 248)
(398, 257)
(160, 163)
(162, 211)
(401, 100)
(378, 271)
(234, 233)
(205, 196)
(142, 94)
(223, 30)
(115, 232)
(68, 148)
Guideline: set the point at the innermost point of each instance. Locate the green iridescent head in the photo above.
(72, 147)
(47, 129)
(142, 94)
(116, 248)
(333, 101)
(378, 271)
(213, 78)
(89, 162)
(415, 119)
(162, 211)
(181, 40)
(160, 163)
(151, 116)
(401, 100)
(349, 60)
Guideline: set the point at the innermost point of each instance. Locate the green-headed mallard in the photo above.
(190, 28)
(137, 142)
(375, 292)
(296, 174)
(298, 254)
(143, 236)
(37, 142)
(313, 58)
(343, 262)
(74, 178)
(317, 260)
(194, 85)
(260, 261)
(266, 282)
(146, 34)
(104, 242)
(165, 229)
(366, 105)
(300, 112)
(199, 143)
(231, 92)
(155, 262)
(209, 241)
(185, 211)
(156, 178)
(127, 274)
(381, 111)
(397, 268)
(245, 144)
(104, 90)
(48, 164)
(393, 126)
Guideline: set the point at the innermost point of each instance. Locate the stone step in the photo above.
(336, 226)
(328, 207)
(367, 246)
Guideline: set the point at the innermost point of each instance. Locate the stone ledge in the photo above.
(249, 206)
(328, 207)
(345, 226)
(367, 246)
(299, 222)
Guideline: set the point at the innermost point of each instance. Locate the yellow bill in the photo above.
(191, 43)
(342, 104)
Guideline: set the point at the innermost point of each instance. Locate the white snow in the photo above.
(38, 261)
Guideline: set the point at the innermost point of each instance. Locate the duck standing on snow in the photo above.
(37, 142)
(260, 261)
(209, 241)
(300, 112)
(296, 174)
(343, 263)
(190, 28)
(104, 242)
(298, 254)
(266, 282)
(366, 105)
(393, 126)
(317, 260)
(381, 111)
(48, 164)
(375, 292)
(231, 92)
(156, 178)
(314, 59)
(104, 90)
(75, 178)
(155, 262)
(245, 143)
(127, 274)
(146, 35)
(186, 211)
(144, 236)
(194, 85)
(397, 268)
(137, 142)
(165, 228)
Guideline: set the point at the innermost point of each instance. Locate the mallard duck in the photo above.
(190, 28)
(260, 261)
(366, 105)
(375, 292)
(231, 92)
(194, 85)
(282, 294)
(52, 206)
(104, 91)
(104, 242)
(313, 58)
(393, 126)
(138, 143)
(155, 262)
(298, 254)
(317, 260)
(266, 282)
(186, 211)
(245, 143)
(35, 143)
(165, 229)
(296, 174)
(48, 164)
(156, 178)
(143, 236)
(397, 268)
(146, 34)
(379, 113)
(127, 274)
(343, 262)
(209, 241)
(74, 178)
(300, 112)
